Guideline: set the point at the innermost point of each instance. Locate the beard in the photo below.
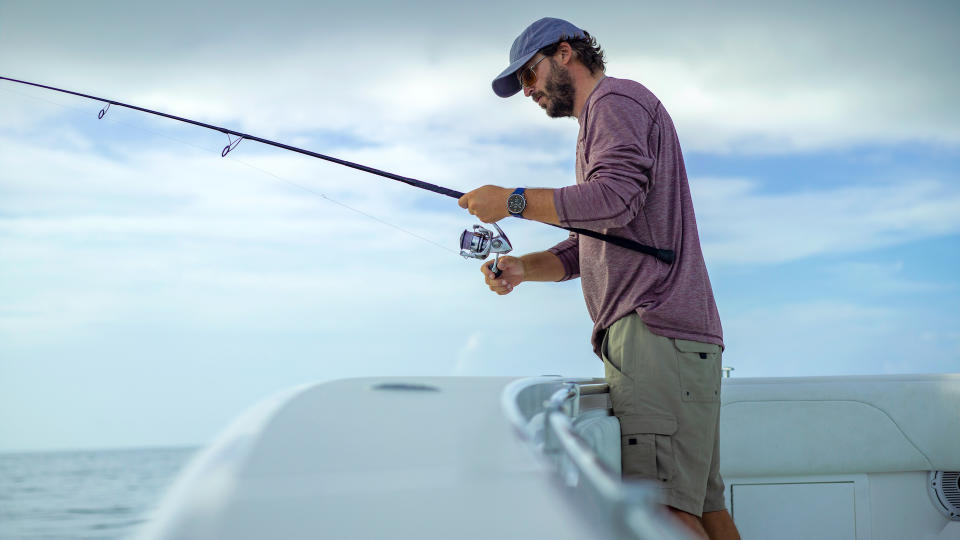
(559, 91)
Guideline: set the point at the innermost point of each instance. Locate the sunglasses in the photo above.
(527, 76)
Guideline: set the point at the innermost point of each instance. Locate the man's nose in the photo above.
(527, 90)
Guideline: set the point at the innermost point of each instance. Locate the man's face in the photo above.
(553, 90)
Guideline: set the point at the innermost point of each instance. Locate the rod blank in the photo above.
(664, 255)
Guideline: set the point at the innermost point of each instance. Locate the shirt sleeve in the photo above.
(618, 161)
(568, 252)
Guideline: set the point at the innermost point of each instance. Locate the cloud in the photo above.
(741, 224)
(885, 279)
(124, 250)
(835, 337)
(745, 78)
(467, 361)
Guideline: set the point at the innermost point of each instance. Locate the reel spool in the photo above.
(481, 242)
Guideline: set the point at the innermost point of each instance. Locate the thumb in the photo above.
(512, 266)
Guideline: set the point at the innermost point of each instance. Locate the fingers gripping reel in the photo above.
(481, 242)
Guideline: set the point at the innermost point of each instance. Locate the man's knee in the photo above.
(690, 521)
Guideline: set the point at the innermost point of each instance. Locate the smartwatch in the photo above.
(517, 203)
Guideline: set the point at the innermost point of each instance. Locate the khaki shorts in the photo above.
(666, 393)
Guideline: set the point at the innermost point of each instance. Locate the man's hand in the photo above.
(488, 203)
(512, 275)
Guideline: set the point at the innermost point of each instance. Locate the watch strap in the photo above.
(518, 191)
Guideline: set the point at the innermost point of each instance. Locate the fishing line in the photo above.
(664, 255)
(252, 166)
(334, 201)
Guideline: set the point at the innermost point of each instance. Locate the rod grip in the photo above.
(496, 271)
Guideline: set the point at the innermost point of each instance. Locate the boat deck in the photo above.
(411, 457)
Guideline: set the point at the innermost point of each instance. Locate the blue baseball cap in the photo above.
(538, 35)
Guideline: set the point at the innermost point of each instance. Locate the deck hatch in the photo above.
(406, 387)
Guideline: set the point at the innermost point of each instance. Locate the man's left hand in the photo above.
(488, 203)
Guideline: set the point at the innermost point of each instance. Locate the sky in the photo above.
(151, 290)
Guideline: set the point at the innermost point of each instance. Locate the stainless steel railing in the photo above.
(629, 507)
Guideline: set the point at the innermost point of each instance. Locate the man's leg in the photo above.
(665, 393)
(691, 522)
(713, 525)
(716, 520)
(719, 525)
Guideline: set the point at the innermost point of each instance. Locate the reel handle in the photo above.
(493, 266)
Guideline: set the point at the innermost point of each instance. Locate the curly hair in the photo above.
(585, 48)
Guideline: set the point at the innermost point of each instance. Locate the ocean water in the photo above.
(84, 495)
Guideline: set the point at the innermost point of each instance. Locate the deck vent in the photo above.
(945, 492)
(406, 387)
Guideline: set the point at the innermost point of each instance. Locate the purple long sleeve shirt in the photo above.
(631, 182)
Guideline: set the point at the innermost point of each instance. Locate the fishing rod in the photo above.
(478, 244)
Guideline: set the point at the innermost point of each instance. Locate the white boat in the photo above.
(859, 457)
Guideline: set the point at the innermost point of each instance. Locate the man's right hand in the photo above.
(512, 275)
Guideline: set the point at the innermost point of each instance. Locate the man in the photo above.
(656, 325)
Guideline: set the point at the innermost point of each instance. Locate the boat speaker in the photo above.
(945, 492)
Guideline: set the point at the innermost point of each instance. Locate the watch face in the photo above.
(516, 203)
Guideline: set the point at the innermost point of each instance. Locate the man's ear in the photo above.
(566, 53)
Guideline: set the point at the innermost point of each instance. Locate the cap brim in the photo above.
(506, 84)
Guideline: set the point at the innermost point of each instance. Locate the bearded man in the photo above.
(656, 324)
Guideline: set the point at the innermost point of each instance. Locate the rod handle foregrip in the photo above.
(496, 271)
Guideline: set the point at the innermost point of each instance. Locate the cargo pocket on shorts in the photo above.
(646, 447)
(699, 367)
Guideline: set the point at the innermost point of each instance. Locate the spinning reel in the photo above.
(481, 242)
